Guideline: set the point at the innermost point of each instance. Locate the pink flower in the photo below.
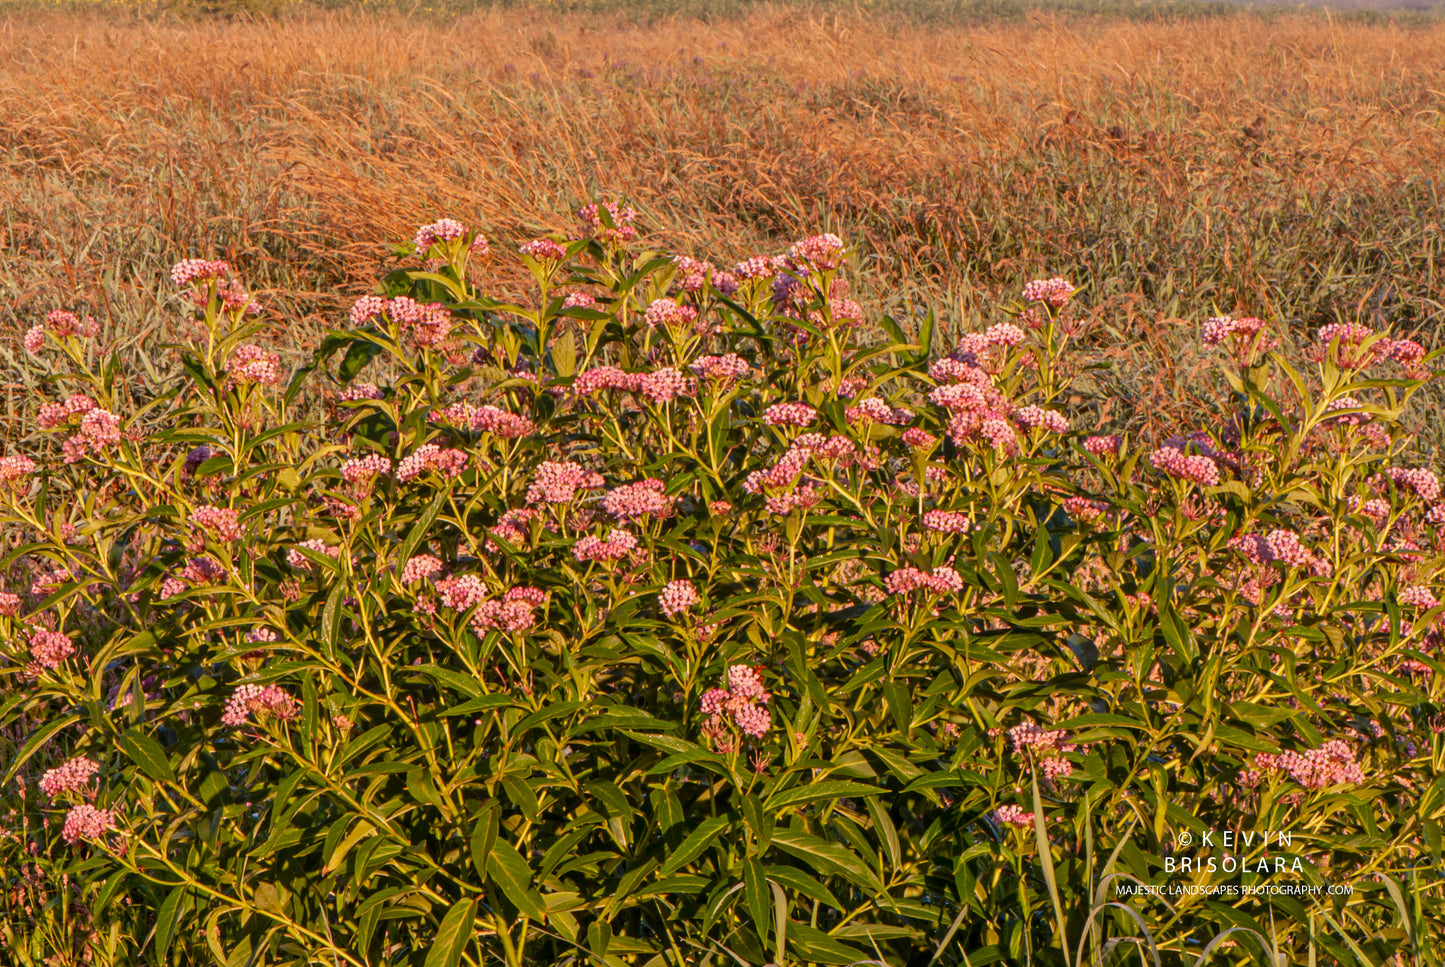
(823, 251)
(1419, 596)
(1056, 292)
(874, 410)
(543, 250)
(1101, 446)
(1331, 764)
(677, 597)
(421, 567)
(745, 699)
(1012, 816)
(664, 385)
(50, 648)
(87, 822)
(252, 364)
(1176, 463)
(918, 437)
(946, 521)
(99, 430)
(190, 271)
(592, 225)
(943, 580)
(431, 458)
(646, 498)
(257, 636)
(9, 604)
(359, 391)
(1240, 331)
(1037, 416)
(789, 414)
(73, 776)
(1003, 334)
(301, 562)
(667, 314)
(426, 325)
(721, 368)
(557, 482)
(579, 300)
(1423, 483)
(34, 339)
(757, 267)
(1082, 508)
(250, 699)
(618, 545)
(15, 468)
(221, 523)
(52, 415)
(360, 472)
(601, 378)
(442, 230)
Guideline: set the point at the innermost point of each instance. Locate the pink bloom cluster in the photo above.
(99, 430)
(441, 230)
(512, 526)
(1331, 764)
(1056, 292)
(557, 482)
(646, 498)
(430, 458)
(661, 386)
(676, 597)
(1012, 816)
(1195, 467)
(361, 471)
(694, 274)
(52, 415)
(50, 648)
(1101, 446)
(1049, 745)
(721, 368)
(47, 582)
(221, 523)
(513, 612)
(874, 410)
(543, 250)
(427, 325)
(1419, 596)
(618, 545)
(9, 604)
(821, 251)
(667, 314)
(1240, 331)
(73, 776)
(1037, 416)
(250, 699)
(789, 414)
(591, 225)
(943, 580)
(60, 324)
(191, 271)
(257, 636)
(947, 521)
(1346, 419)
(1085, 509)
(87, 822)
(916, 436)
(490, 419)
(579, 300)
(1281, 547)
(301, 562)
(421, 567)
(1422, 482)
(252, 364)
(15, 467)
(203, 570)
(759, 267)
(744, 700)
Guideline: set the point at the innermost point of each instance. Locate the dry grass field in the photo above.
(961, 159)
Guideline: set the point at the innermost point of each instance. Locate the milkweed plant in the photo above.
(673, 614)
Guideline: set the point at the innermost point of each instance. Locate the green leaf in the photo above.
(357, 356)
(507, 869)
(452, 936)
(564, 354)
(755, 897)
(829, 789)
(167, 918)
(422, 527)
(147, 753)
(825, 857)
(36, 741)
(697, 841)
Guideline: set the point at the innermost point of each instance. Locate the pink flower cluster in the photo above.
(513, 612)
(789, 414)
(1047, 744)
(430, 458)
(543, 250)
(721, 368)
(558, 481)
(1194, 467)
(15, 467)
(99, 430)
(221, 523)
(744, 700)
(667, 314)
(427, 325)
(361, 471)
(512, 526)
(661, 386)
(1037, 416)
(1101, 446)
(1331, 764)
(874, 410)
(250, 699)
(1423, 483)
(1240, 331)
(1281, 547)
(301, 562)
(591, 225)
(1418, 596)
(421, 567)
(61, 324)
(1056, 292)
(618, 545)
(946, 521)
(1012, 816)
(191, 271)
(943, 580)
(821, 251)
(676, 597)
(50, 648)
(441, 230)
(252, 364)
(73, 776)
(87, 822)
(646, 498)
(1084, 508)
(52, 415)
(579, 300)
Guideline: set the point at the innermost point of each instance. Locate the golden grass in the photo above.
(963, 160)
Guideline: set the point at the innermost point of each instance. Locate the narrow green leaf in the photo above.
(452, 936)
(147, 753)
(697, 841)
(513, 876)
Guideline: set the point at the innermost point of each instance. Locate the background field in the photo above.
(965, 148)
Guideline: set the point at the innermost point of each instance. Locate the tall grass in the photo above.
(965, 158)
